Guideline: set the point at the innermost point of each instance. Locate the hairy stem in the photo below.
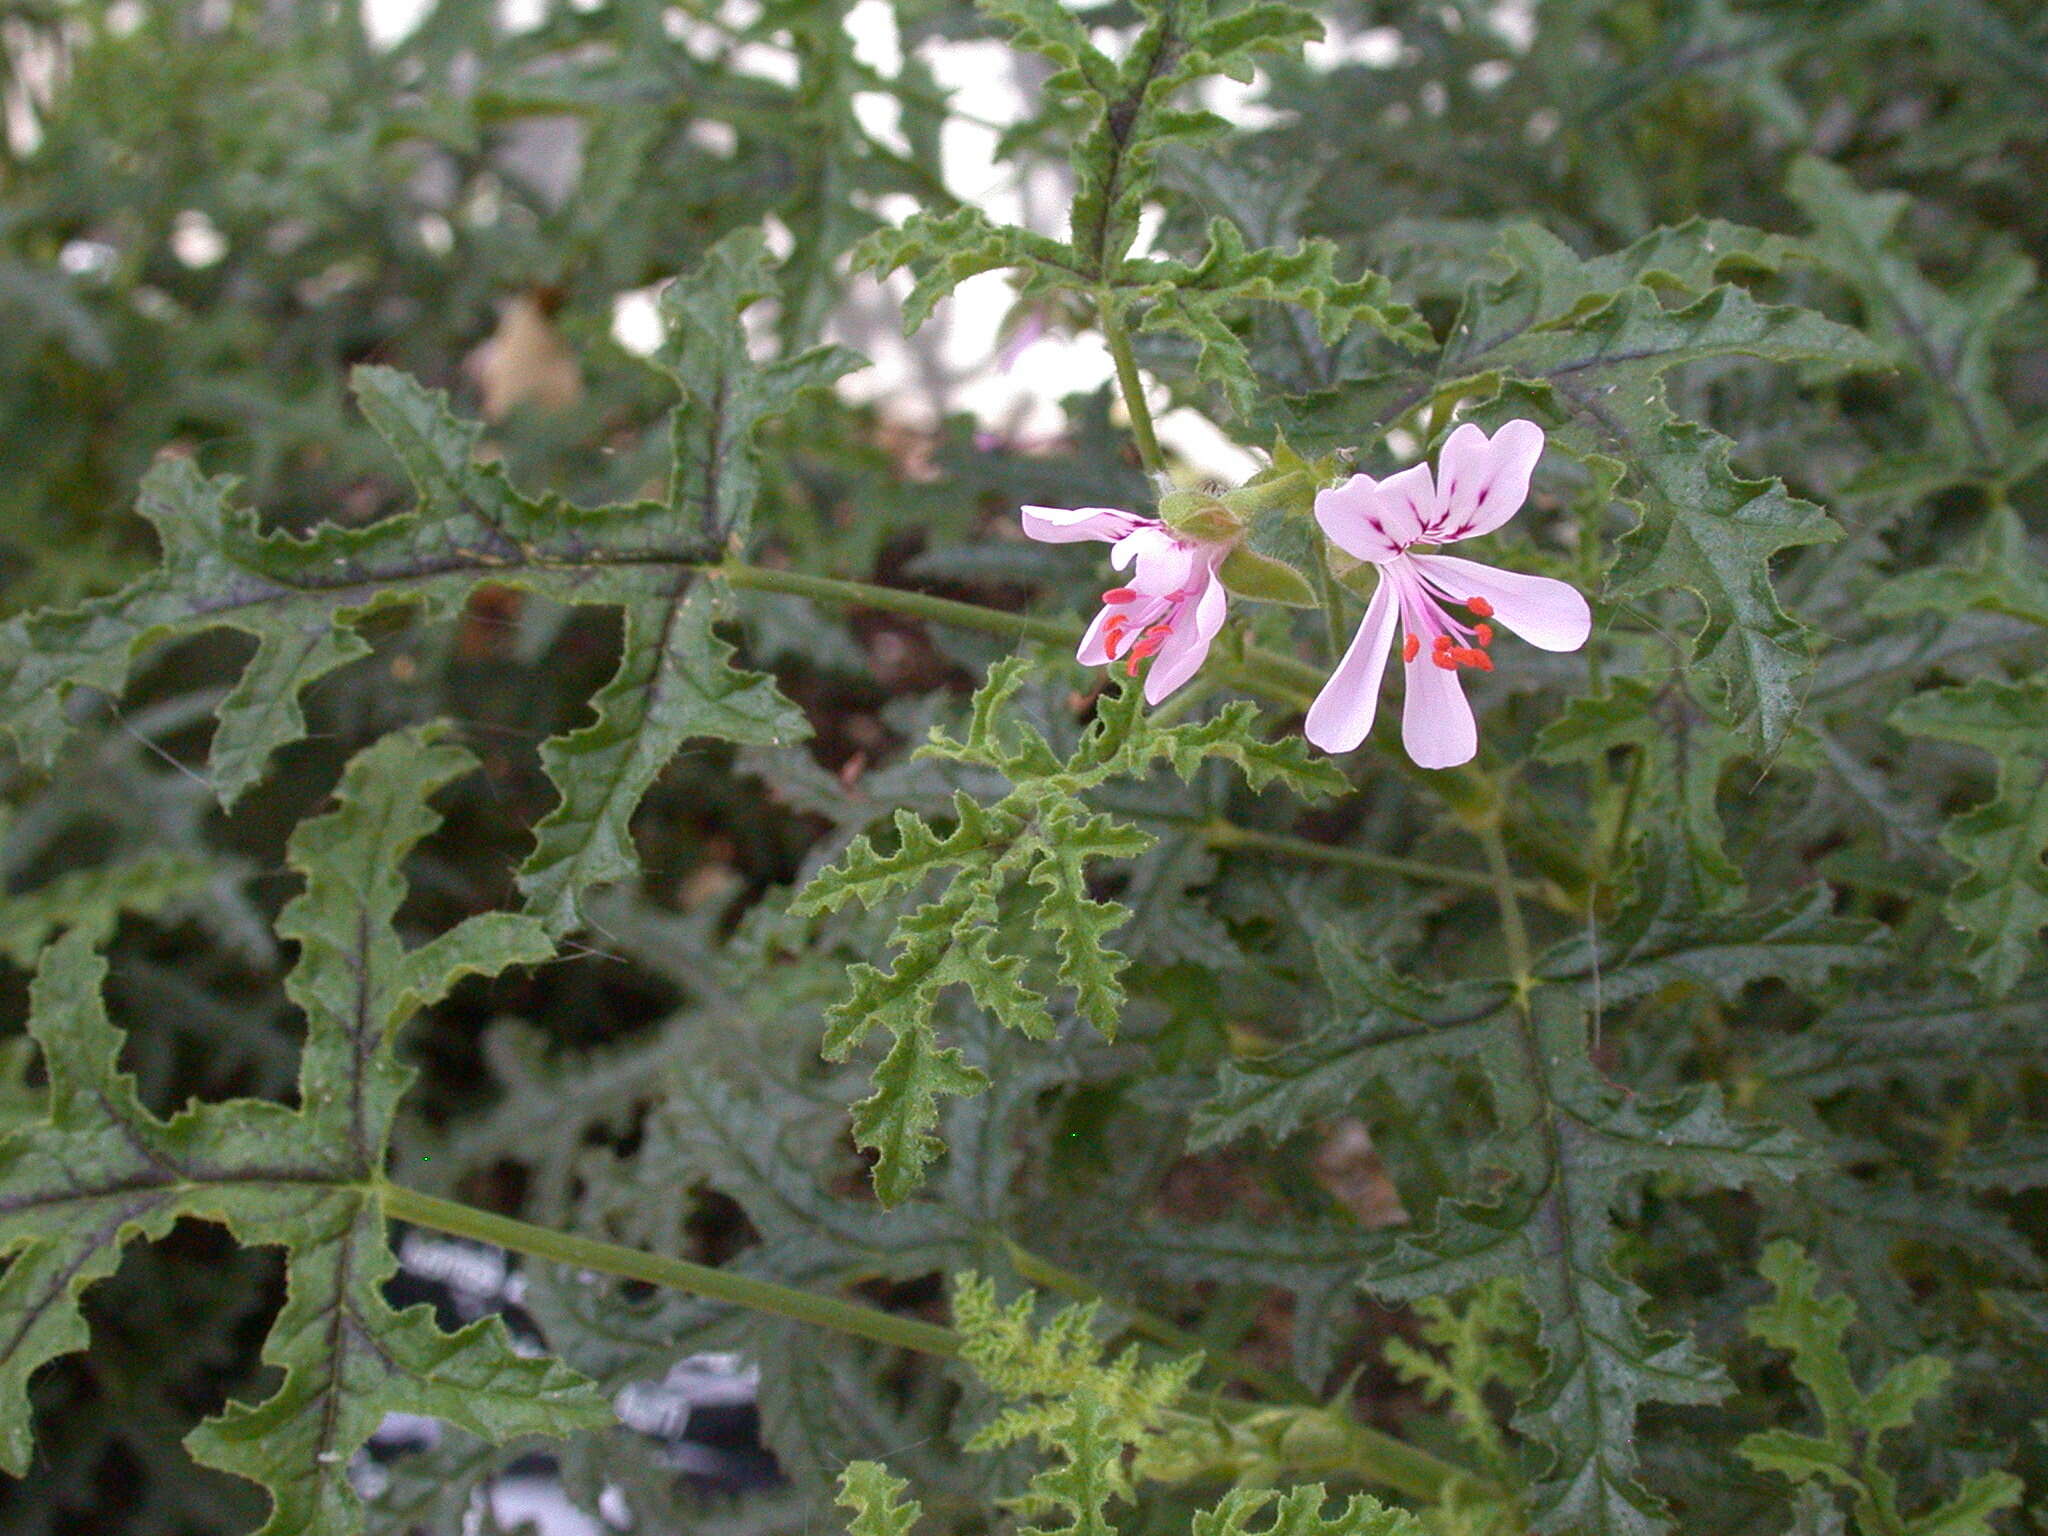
(1334, 629)
(424, 1210)
(1514, 933)
(1118, 340)
(1230, 837)
(1367, 1454)
(1279, 679)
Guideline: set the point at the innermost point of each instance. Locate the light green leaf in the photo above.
(1299, 1512)
(1265, 580)
(876, 1500)
(1026, 854)
(1811, 1327)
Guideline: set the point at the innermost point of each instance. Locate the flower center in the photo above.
(1146, 624)
(1451, 644)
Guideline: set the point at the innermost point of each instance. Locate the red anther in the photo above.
(1441, 644)
(1119, 594)
(1445, 660)
(1150, 641)
(1480, 606)
(1480, 660)
(1131, 666)
(1483, 633)
(1410, 646)
(1113, 634)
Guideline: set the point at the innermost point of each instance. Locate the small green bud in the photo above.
(1265, 580)
(1267, 491)
(1199, 516)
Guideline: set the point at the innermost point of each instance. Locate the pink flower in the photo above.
(1484, 483)
(1172, 606)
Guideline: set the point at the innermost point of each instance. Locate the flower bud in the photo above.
(1200, 518)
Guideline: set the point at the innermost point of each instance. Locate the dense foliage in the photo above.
(646, 813)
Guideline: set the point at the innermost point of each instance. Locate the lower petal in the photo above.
(1178, 660)
(1094, 650)
(1210, 607)
(1342, 713)
(1436, 721)
(1547, 613)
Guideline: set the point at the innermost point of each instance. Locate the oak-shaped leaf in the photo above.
(1102, 1424)
(304, 599)
(1569, 1147)
(99, 1170)
(1846, 1454)
(2002, 902)
(1946, 336)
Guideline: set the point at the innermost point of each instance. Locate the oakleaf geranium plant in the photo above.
(751, 957)
(1174, 603)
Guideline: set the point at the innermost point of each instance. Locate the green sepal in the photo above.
(1275, 490)
(1199, 516)
(1264, 580)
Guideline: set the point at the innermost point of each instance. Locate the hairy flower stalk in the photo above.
(1393, 524)
(1170, 607)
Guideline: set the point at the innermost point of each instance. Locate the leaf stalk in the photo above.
(458, 1220)
(1368, 1454)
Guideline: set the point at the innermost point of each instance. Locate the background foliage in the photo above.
(1638, 1130)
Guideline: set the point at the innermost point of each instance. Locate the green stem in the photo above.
(1513, 931)
(1440, 409)
(1281, 679)
(914, 605)
(422, 1210)
(1044, 1272)
(1334, 611)
(1617, 837)
(1118, 340)
(1368, 1454)
(1227, 835)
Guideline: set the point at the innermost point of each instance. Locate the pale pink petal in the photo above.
(1405, 504)
(1343, 711)
(1376, 519)
(1482, 482)
(1164, 564)
(1348, 515)
(1546, 613)
(1436, 721)
(1188, 646)
(1069, 525)
(1094, 650)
